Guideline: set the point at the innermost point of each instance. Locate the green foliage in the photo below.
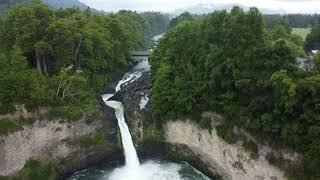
(26, 86)
(91, 140)
(162, 91)
(135, 29)
(186, 16)
(252, 148)
(275, 161)
(294, 20)
(226, 133)
(302, 32)
(71, 113)
(34, 170)
(281, 30)
(7, 4)
(316, 61)
(313, 39)
(64, 58)
(205, 123)
(8, 126)
(230, 63)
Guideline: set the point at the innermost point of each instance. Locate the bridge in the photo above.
(139, 56)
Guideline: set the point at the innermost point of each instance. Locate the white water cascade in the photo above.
(132, 161)
(133, 170)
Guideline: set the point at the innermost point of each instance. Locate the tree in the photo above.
(230, 63)
(316, 61)
(94, 46)
(18, 62)
(313, 39)
(70, 85)
(186, 16)
(25, 27)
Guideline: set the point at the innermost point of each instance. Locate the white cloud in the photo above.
(296, 6)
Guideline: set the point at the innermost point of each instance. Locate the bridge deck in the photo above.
(140, 53)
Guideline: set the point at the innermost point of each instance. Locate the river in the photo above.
(133, 169)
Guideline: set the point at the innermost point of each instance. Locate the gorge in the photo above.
(224, 96)
(149, 169)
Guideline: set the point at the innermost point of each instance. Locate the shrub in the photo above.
(8, 126)
(91, 140)
(226, 133)
(71, 113)
(273, 160)
(34, 170)
(252, 148)
(205, 123)
(196, 116)
(7, 108)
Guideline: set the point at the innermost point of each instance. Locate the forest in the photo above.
(64, 58)
(234, 64)
(295, 20)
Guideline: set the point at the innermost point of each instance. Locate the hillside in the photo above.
(208, 8)
(65, 4)
(8, 4)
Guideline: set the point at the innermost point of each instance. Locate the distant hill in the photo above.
(209, 8)
(5, 5)
(65, 4)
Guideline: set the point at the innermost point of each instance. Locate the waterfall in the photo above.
(131, 158)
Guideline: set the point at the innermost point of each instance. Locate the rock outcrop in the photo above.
(229, 160)
(54, 140)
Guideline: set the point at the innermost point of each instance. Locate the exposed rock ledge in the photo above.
(42, 140)
(231, 161)
(53, 140)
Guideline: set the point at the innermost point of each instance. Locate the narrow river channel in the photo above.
(133, 169)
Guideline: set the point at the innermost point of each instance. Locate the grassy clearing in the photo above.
(8, 126)
(303, 32)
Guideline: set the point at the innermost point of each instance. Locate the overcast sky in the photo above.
(290, 6)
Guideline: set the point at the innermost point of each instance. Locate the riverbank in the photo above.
(185, 141)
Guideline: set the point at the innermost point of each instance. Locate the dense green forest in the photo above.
(303, 20)
(64, 58)
(232, 64)
(295, 20)
(6, 5)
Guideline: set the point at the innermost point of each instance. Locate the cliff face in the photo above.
(56, 140)
(43, 140)
(229, 160)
